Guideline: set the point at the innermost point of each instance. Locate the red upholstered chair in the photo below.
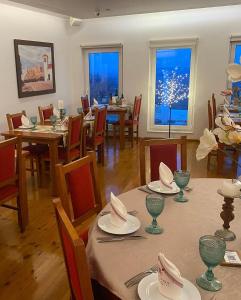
(79, 191)
(73, 149)
(97, 139)
(45, 112)
(85, 104)
(74, 256)
(13, 179)
(133, 122)
(161, 150)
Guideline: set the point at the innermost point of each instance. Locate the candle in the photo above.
(60, 104)
(230, 189)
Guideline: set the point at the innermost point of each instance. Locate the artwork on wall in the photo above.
(34, 67)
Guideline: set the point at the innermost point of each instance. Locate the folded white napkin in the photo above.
(113, 100)
(25, 121)
(88, 115)
(56, 112)
(170, 281)
(226, 111)
(118, 214)
(95, 102)
(230, 189)
(226, 101)
(166, 177)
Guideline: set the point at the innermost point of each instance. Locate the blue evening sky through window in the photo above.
(174, 65)
(237, 55)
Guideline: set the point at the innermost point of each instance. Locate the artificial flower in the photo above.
(226, 93)
(207, 144)
(234, 72)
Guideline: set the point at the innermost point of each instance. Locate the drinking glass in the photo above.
(181, 179)
(79, 110)
(53, 120)
(155, 205)
(34, 120)
(212, 250)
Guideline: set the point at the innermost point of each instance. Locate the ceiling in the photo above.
(86, 9)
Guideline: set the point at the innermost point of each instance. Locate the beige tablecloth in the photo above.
(113, 263)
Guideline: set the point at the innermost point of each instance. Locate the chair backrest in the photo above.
(214, 109)
(79, 188)
(210, 116)
(74, 255)
(100, 122)
(14, 120)
(85, 104)
(137, 108)
(45, 112)
(161, 150)
(75, 130)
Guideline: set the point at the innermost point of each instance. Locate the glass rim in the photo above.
(213, 237)
(155, 196)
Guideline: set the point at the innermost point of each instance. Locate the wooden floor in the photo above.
(31, 264)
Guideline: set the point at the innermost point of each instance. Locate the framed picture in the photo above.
(34, 67)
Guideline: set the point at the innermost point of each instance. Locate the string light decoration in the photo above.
(172, 89)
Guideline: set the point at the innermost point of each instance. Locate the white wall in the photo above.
(213, 27)
(19, 23)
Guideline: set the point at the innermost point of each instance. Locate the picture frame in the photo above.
(35, 69)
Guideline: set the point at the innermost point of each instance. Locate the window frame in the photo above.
(100, 49)
(171, 44)
(234, 40)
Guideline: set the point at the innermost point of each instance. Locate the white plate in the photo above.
(26, 127)
(132, 224)
(155, 187)
(148, 289)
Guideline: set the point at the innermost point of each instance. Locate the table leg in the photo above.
(53, 154)
(122, 130)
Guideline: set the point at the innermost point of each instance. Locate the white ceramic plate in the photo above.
(26, 127)
(148, 289)
(155, 187)
(132, 225)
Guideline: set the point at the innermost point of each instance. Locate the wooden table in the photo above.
(111, 264)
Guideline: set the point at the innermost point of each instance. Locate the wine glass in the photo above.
(212, 250)
(53, 120)
(79, 110)
(155, 205)
(181, 179)
(34, 120)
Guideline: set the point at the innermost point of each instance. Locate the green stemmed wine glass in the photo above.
(181, 179)
(34, 120)
(79, 110)
(53, 120)
(155, 205)
(212, 250)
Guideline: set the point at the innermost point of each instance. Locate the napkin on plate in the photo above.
(170, 281)
(56, 112)
(95, 102)
(25, 121)
(118, 214)
(226, 111)
(166, 176)
(113, 100)
(88, 115)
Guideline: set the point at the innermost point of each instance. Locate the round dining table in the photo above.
(113, 263)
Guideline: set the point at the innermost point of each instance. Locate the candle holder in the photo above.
(227, 216)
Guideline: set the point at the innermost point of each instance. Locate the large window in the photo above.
(235, 57)
(103, 73)
(172, 85)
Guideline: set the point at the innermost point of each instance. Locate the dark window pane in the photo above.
(172, 85)
(103, 75)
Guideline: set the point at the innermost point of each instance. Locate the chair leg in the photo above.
(38, 170)
(132, 136)
(22, 211)
(137, 134)
(42, 165)
(31, 166)
(102, 154)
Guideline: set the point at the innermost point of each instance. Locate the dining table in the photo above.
(44, 134)
(113, 263)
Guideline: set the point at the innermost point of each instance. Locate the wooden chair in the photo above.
(79, 191)
(45, 112)
(214, 109)
(85, 104)
(73, 149)
(161, 150)
(133, 121)
(97, 139)
(13, 179)
(35, 150)
(211, 122)
(74, 256)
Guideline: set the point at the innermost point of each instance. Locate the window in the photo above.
(172, 85)
(103, 73)
(235, 57)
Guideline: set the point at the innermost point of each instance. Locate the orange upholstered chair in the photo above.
(133, 122)
(74, 256)
(79, 191)
(97, 139)
(85, 104)
(45, 112)
(161, 150)
(13, 179)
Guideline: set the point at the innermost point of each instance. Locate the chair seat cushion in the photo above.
(7, 191)
(98, 140)
(37, 149)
